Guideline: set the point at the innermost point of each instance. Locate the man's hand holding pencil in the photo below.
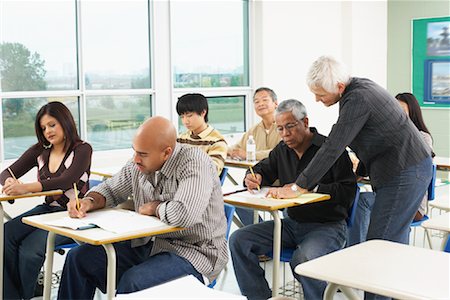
(253, 181)
(77, 208)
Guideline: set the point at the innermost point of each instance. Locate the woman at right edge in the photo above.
(390, 148)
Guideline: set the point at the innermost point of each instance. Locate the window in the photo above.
(116, 63)
(210, 48)
(116, 44)
(38, 46)
(18, 118)
(112, 120)
(210, 56)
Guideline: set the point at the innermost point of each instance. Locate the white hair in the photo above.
(326, 72)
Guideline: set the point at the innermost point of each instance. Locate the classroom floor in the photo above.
(227, 281)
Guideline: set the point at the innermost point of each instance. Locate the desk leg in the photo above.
(233, 181)
(111, 271)
(276, 251)
(48, 268)
(2, 215)
(237, 222)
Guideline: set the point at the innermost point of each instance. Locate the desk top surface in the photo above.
(269, 204)
(385, 268)
(440, 222)
(442, 163)
(93, 236)
(244, 164)
(4, 197)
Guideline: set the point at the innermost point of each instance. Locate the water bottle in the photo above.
(251, 149)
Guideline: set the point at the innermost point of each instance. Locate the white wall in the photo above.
(292, 34)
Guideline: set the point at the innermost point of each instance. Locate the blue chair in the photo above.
(229, 212)
(286, 253)
(223, 175)
(447, 245)
(430, 196)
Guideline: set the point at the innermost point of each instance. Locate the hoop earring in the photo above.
(47, 146)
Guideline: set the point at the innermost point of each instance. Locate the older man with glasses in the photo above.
(312, 229)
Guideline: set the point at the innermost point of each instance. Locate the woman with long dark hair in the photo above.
(62, 159)
(410, 105)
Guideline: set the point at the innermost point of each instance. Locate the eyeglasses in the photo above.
(288, 127)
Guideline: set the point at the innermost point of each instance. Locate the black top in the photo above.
(374, 126)
(339, 182)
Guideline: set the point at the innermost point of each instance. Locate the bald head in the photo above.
(154, 143)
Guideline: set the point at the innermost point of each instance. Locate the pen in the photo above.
(251, 170)
(76, 196)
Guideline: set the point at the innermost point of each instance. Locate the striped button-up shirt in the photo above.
(373, 124)
(191, 196)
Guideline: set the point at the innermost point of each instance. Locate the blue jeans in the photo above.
(311, 240)
(24, 255)
(396, 203)
(358, 232)
(85, 270)
(246, 215)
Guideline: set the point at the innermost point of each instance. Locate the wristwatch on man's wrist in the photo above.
(295, 189)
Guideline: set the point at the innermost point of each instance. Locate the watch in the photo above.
(295, 188)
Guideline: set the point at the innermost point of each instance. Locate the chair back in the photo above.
(223, 175)
(447, 245)
(229, 212)
(352, 211)
(431, 187)
(94, 182)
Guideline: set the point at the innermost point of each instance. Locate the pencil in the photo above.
(253, 173)
(76, 196)
(12, 174)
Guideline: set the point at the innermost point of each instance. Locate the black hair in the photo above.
(414, 111)
(61, 113)
(269, 90)
(193, 103)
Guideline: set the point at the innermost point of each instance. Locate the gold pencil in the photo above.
(76, 196)
(253, 173)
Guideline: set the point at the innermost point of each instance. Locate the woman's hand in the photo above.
(14, 187)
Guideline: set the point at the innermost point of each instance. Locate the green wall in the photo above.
(400, 14)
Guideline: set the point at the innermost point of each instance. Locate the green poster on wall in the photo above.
(431, 61)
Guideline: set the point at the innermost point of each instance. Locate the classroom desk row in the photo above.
(380, 267)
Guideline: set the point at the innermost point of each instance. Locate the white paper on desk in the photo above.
(117, 221)
(187, 287)
(303, 199)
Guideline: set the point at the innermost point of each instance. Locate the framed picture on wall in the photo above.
(437, 81)
(431, 61)
(438, 41)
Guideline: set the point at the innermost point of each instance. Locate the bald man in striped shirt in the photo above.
(174, 182)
